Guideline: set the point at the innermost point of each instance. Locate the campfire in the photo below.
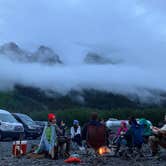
(104, 150)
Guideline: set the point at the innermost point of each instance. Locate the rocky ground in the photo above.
(6, 159)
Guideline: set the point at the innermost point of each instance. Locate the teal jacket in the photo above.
(147, 131)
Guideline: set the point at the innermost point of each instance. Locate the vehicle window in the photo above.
(7, 118)
(27, 120)
(17, 119)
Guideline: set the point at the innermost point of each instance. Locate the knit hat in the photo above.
(75, 122)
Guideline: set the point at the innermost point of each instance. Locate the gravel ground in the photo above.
(6, 159)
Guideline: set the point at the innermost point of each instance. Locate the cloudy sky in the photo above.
(133, 31)
(129, 27)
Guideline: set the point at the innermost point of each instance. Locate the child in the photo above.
(120, 133)
(123, 129)
(120, 136)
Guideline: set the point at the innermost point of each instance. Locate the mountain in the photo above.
(35, 99)
(12, 51)
(46, 55)
(43, 54)
(94, 58)
(31, 98)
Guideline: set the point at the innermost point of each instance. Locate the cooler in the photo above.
(19, 148)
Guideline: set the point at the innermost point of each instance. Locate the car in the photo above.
(42, 124)
(31, 129)
(9, 126)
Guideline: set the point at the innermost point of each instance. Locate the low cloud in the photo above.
(119, 78)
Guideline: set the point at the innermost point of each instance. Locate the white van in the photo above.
(9, 127)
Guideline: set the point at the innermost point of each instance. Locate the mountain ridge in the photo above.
(43, 54)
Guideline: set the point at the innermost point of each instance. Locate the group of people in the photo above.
(95, 134)
(54, 137)
(139, 132)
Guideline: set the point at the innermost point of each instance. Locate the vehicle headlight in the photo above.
(6, 127)
(19, 128)
(30, 127)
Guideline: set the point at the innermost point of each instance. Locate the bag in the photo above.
(73, 160)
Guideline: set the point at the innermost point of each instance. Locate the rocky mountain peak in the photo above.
(46, 55)
(10, 47)
(43, 54)
(94, 58)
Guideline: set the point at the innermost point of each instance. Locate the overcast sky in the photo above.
(113, 27)
(131, 30)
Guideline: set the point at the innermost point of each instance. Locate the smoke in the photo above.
(132, 31)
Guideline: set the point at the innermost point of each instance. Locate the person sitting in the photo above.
(119, 138)
(95, 133)
(147, 131)
(158, 138)
(48, 140)
(63, 128)
(63, 140)
(134, 135)
(123, 129)
(75, 132)
(120, 133)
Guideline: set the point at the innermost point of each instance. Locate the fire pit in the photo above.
(104, 150)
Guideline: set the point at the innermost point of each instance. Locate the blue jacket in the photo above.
(137, 134)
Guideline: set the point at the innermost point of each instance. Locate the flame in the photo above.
(103, 150)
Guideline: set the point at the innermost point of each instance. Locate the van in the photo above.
(9, 126)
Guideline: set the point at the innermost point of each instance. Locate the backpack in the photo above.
(96, 136)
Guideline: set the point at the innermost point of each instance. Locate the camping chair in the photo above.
(134, 143)
(96, 136)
